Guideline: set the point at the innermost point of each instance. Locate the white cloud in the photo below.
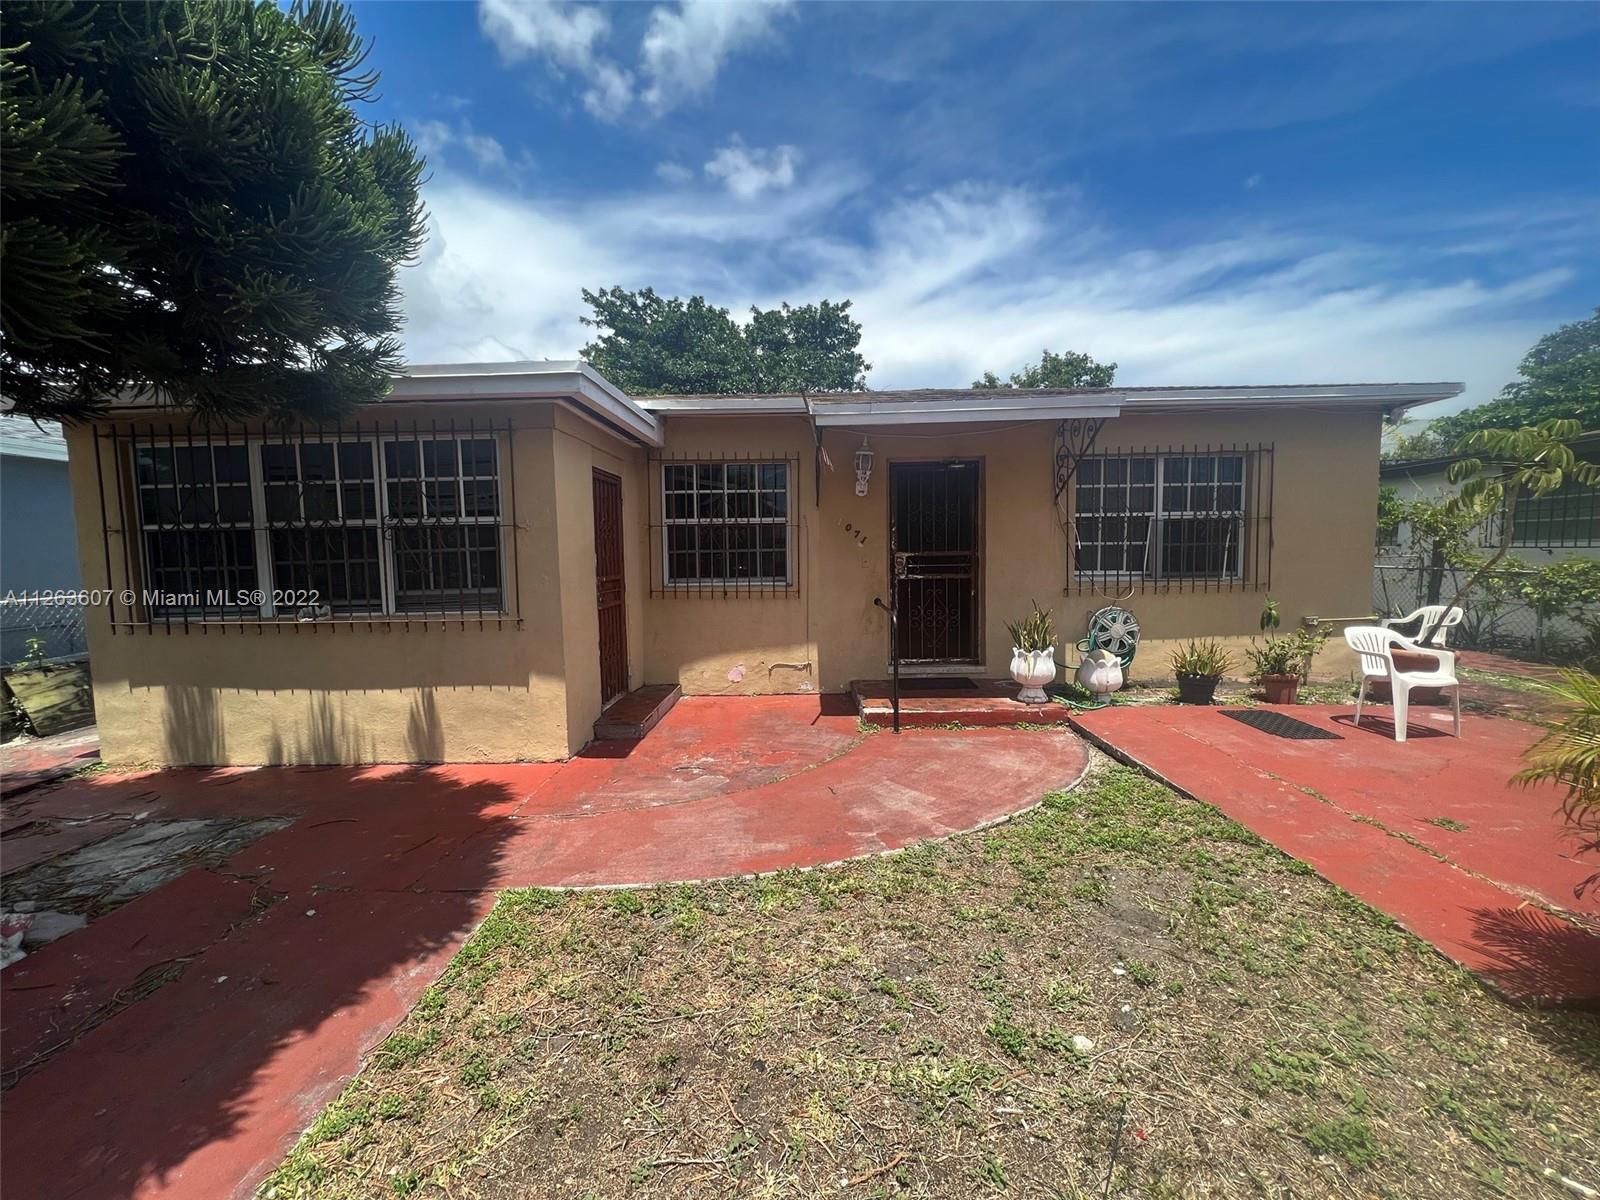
(684, 48)
(436, 138)
(1252, 181)
(488, 152)
(674, 173)
(431, 136)
(951, 283)
(567, 36)
(681, 53)
(747, 171)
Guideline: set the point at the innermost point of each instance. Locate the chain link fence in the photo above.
(59, 628)
(1497, 618)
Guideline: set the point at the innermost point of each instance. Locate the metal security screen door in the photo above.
(609, 589)
(934, 542)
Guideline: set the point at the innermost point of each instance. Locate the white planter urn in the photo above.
(1033, 669)
(1100, 673)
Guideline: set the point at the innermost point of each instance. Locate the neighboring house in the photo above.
(473, 568)
(1545, 528)
(38, 547)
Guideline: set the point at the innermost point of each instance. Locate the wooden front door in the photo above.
(608, 586)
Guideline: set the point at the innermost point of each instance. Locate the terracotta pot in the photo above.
(1197, 689)
(1033, 669)
(1281, 689)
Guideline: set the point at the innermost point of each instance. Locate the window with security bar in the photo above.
(371, 522)
(1568, 516)
(725, 523)
(444, 495)
(196, 521)
(1183, 518)
(323, 534)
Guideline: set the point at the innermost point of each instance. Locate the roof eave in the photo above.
(23, 448)
(590, 392)
(723, 406)
(979, 409)
(1387, 397)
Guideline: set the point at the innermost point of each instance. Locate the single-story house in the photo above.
(40, 562)
(472, 569)
(1544, 528)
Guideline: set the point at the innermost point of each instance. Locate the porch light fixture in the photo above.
(863, 468)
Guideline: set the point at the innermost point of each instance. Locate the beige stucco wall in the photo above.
(827, 632)
(431, 692)
(530, 690)
(580, 450)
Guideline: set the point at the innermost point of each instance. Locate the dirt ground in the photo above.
(1121, 993)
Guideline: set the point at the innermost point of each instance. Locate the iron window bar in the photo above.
(1175, 518)
(1566, 517)
(724, 524)
(224, 528)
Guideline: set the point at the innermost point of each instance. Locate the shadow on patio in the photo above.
(181, 1039)
(177, 1045)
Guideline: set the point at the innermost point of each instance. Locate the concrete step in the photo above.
(990, 702)
(632, 716)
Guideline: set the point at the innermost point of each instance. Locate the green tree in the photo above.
(1569, 756)
(1568, 587)
(1069, 370)
(1560, 380)
(1514, 463)
(1391, 514)
(194, 207)
(660, 344)
(1444, 535)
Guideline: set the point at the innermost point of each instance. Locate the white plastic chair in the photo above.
(1430, 616)
(1376, 646)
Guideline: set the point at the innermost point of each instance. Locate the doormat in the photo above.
(1280, 725)
(937, 683)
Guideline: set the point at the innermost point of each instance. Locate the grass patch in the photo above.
(1119, 971)
(1349, 1138)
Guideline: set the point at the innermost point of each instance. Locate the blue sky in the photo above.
(1203, 194)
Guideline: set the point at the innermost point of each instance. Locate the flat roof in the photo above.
(591, 392)
(21, 438)
(638, 417)
(957, 404)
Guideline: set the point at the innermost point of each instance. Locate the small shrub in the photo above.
(1207, 658)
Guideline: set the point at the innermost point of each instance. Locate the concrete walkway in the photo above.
(177, 1045)
(27, 763)
(1429, 831)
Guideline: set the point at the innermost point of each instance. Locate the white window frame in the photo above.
(1153, 566)
(391, 560)
(146, 527)
(786, 580)
(388, 578)
(265, 529)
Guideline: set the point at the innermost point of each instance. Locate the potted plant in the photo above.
(1200, 665)
(1033, 655)
(1277, 667)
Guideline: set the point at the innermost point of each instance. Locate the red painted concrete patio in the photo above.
(28, 763)
(1497, 895)
(176, 1046)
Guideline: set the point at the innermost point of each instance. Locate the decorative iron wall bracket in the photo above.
(1075, 437)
